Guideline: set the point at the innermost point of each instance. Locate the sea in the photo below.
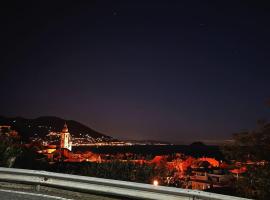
(189, 150)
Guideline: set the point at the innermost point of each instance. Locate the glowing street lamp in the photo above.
(155, 183)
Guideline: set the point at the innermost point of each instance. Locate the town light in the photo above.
(155, 183)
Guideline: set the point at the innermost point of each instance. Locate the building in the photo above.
(202, 179)
(65, 140)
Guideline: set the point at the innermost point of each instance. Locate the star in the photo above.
(114, 13)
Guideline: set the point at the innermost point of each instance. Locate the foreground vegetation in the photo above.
(252, 147)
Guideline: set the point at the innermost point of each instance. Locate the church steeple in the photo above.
(65, 129)
(65, 140)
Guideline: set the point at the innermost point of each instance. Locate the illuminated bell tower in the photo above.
(65, 142)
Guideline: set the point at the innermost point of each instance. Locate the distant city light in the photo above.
(155, 183)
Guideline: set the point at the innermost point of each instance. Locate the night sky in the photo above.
(163, 70)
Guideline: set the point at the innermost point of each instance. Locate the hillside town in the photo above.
(178, 170)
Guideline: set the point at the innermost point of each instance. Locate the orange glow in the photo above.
(212, 161)
(155, 183)
(51, 150)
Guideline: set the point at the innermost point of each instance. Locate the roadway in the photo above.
(8, 194)
(20, 195)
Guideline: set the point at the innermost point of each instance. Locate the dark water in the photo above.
(195, 151)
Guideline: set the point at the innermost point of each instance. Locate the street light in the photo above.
(155, 183)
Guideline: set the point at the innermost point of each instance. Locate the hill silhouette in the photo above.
(42, 125)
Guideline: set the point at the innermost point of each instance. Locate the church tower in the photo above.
(65, 141)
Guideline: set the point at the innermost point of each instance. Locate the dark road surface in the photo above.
(12, 195)
(9, 194)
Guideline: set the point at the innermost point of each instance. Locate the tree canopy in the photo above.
(252, 147)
